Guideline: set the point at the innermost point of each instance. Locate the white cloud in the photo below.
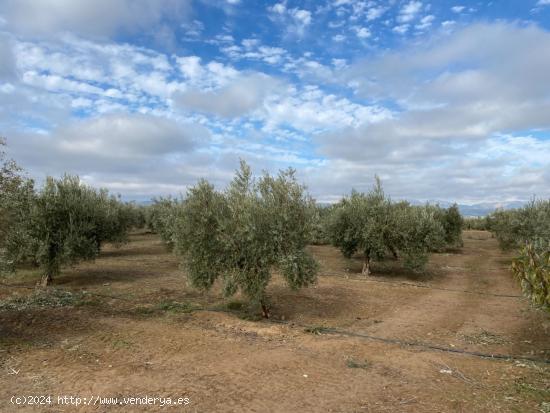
(126, 135)
(425, 22)
(132, 153)
(374, 13)
(458, 9)
(278, 8)
(7, 57)
(401, 29)
(243, 95)
(302, 16)
(90, 17)
(460, 130)
(190, 66)
(296, 20)
(543, 3)
(409, 11)
(252, 49)
(362, 32)
(310, 109)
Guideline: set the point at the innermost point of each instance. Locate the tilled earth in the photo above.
(127, 325)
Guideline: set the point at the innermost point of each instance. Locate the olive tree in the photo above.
(69, 221)
(527, 229)
(16, 196)
(361, 223)
(243, 233)
(320, 219)
(161, 218)
(514, 228)
(418, 232)
(374, 226)
(452, 222)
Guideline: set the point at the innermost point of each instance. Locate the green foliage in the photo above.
(16, 194)
(361, 223)
(527, 229)
(513, 228)
(136, 215)
(319, 223)
(532, 269)
(419, 233)
(476, 223)
(372, 225)
(452, 224)
(161, 219)
(242, 233)
(65, 222)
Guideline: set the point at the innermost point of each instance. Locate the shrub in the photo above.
(242, 233)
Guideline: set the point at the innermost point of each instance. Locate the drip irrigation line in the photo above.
(337, 331)
(397, 341)
(429, 287)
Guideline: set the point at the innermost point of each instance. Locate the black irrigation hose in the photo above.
(332, 330)
(429, 287)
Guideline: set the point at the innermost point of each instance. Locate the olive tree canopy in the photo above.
(241, 234)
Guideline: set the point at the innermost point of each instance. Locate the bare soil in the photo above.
(137, 329)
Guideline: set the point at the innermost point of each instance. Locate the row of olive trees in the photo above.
(373, 225)
(516, 227)
(160, 218)
(61, 223)
(527, 230)
(237, 235)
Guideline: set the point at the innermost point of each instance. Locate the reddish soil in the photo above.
(318, 353)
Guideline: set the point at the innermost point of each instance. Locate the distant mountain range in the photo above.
(481, 209)
(467, 210)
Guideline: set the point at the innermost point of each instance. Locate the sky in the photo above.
(443, 100)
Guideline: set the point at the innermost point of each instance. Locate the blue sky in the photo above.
(446, 100)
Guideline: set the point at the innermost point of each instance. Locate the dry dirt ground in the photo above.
(134, 328)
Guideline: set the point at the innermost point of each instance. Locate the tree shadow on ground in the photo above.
(320, 302)
(389, 268)
(43, 327)
(120, 252)
(92, 277)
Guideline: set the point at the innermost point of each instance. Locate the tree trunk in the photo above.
(366, 266)
(46, 279)
(265, 309)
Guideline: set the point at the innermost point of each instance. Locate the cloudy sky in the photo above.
(444, 100)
